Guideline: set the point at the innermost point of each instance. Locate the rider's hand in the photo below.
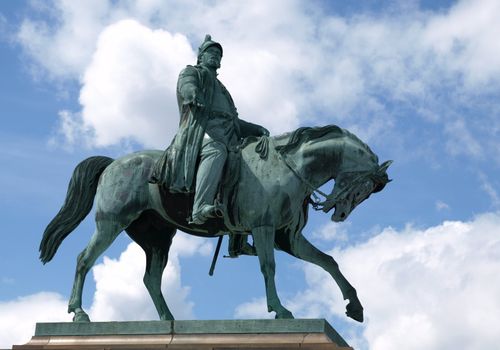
(264, 131)
(198, 101)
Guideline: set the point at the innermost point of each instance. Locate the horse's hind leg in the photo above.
(155, 238)
(104, 235)
(298, 246)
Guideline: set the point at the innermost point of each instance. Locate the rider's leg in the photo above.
(212, 159)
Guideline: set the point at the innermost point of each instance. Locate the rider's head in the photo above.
(209, 53)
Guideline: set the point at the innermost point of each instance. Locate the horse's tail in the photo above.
(78, 203)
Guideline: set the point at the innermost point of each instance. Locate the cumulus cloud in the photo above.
(299, 65)
(18, 317)
(464, 38)
(120, 293)
(253, 309)
(129, 86)
(440, 285)
(332, 231)
(65, 49)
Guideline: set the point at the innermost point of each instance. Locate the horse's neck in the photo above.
(356, 157)
(319, 161)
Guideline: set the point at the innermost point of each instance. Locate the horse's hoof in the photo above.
(81, 316)
(355, 312)
(285, 314)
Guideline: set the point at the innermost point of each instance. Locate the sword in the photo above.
(216, 254)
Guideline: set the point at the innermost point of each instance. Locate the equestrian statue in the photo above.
(220, 176)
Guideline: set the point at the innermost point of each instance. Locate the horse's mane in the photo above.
(305, 134)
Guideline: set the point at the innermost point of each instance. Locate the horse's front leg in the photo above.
(263, 238)
(301, 248)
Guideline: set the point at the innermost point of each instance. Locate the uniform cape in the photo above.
(176, 169)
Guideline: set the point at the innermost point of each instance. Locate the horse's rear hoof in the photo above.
(81, 316)
(356, 313)
(285, 314)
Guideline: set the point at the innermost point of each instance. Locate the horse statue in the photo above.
(270, 201)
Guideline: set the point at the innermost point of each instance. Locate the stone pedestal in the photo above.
(310, 334)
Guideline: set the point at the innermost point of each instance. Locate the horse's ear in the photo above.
(381, 178)
(385, 165)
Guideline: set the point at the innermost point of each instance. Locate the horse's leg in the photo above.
(156, 260)
(263, 238)
(104, 235)
(156, 241)
(298, 246)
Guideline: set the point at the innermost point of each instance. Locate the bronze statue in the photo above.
(266, 191)
(209, 128)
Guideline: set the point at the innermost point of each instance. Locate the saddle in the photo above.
(178, 206)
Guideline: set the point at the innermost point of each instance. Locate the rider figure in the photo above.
(209, 128)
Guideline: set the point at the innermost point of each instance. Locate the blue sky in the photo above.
(419, 81)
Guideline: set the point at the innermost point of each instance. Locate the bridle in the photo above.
(377, 175)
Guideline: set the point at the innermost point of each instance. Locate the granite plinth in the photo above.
(204, 335)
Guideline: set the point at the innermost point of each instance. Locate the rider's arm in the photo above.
(189, 87)
(251, 129)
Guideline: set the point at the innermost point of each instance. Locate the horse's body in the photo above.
(270, 202)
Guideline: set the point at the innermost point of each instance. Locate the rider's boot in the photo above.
(238, 245)
(206, 212)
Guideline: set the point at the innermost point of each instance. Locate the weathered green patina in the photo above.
(209, 129)
(269, 199)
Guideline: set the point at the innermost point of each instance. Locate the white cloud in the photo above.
(71, 131)
(465, 38)
(254, 309)
(440, 285)
(120, 293)
(332, 231)
(63, 45)
(460, 139)
(440, 205)
(489, 189)
(299, 65)
(129, 86)
(18, 317)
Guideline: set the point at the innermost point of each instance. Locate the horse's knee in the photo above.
(147, 280)
(152, 283)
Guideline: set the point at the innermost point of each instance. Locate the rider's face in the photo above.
(211, 57)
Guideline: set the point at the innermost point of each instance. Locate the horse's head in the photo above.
(352, 188)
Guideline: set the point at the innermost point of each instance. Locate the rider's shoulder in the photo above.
(189, 69)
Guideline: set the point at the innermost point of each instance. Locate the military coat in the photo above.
(196, 84)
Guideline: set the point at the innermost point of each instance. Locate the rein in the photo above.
(316, 203)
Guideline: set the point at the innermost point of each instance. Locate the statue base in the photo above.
(204, 335)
